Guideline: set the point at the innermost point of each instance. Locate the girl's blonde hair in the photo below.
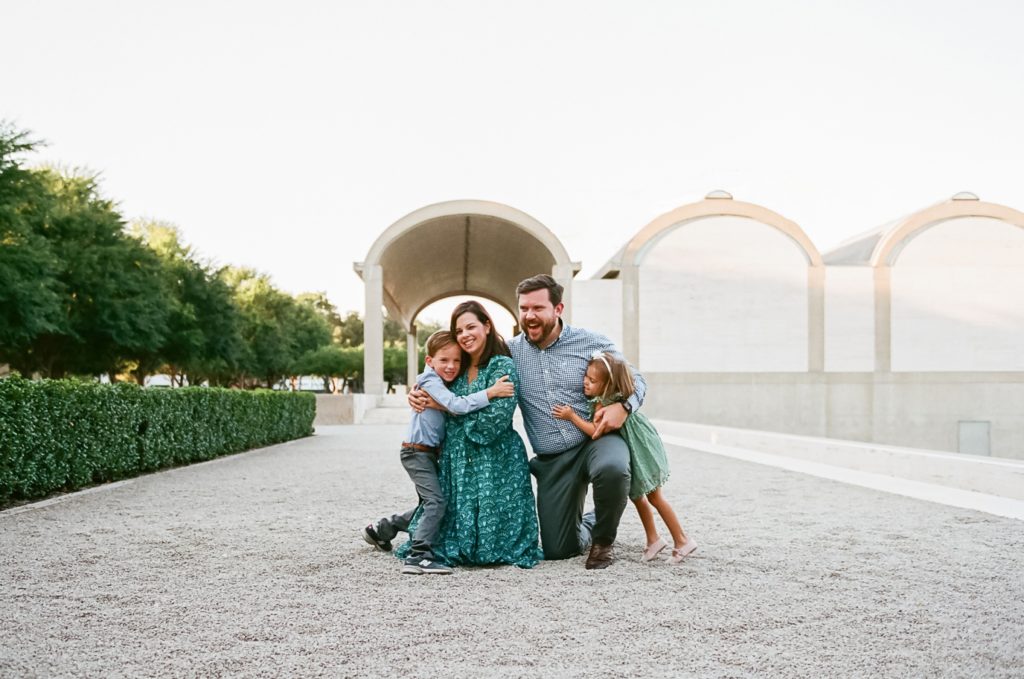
(618, 378)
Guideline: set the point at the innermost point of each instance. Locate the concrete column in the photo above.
(373, 331)
(883, 319)
(816, 319)
(630, 275)
(413, 354)
(562, 273)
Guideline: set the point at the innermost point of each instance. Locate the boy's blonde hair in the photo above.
(438, 341)
(618, 378)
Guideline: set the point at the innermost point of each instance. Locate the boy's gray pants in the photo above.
(422, 469)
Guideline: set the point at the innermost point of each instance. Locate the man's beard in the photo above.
(546, 328)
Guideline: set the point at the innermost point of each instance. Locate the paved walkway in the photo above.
(251, 566)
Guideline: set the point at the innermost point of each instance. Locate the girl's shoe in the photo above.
(652, 550)
(680, 553)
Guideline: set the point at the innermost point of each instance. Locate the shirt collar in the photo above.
(566, 329)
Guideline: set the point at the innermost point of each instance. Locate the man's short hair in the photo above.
(541, 282)
(438, 341)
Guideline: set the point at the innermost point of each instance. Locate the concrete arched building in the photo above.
(909, 334)
(751, 284)
(722, 308)
(458, 247)
(932, 306)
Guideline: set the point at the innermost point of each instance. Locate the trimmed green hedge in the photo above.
(60, 435)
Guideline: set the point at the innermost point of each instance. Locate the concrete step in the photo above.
(387, 415)
(399, 400)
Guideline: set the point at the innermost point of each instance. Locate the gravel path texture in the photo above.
(253, 566)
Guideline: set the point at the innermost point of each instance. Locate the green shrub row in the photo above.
(60, 435)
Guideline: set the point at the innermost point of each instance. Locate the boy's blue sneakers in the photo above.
(421, 565)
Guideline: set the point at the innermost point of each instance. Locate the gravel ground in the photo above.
(253, 566)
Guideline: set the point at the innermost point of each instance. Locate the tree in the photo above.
(332, 362)
(114, 301)
(394, 332)
(350, 332)
(425, 329)
(310, 328)
(221, 321)
(30, 294)
(276, 328)
(203, 341)
(395, 366)
(329, 312)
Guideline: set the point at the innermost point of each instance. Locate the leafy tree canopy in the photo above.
(30, 295)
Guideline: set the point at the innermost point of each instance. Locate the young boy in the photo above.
(420, 452)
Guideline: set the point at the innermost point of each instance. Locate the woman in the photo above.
(491, 516)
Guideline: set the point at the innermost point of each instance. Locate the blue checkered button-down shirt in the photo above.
(554, 376)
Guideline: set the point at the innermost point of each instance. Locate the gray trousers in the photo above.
(422, 469)
(562, 481)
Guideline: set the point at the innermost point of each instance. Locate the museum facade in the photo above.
(907, 335)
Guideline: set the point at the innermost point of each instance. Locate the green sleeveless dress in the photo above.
(492, 515)
(648, 464)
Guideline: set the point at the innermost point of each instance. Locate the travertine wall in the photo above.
(597, 305)
(917, 410)
(723, 310)
(958, 298)
(723, 294)
(849, 319)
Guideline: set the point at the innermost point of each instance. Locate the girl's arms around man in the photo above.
(567, 413)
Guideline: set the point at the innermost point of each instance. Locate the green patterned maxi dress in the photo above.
(492, 515)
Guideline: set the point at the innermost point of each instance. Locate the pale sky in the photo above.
(288, 136)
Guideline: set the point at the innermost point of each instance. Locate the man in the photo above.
(551, 358)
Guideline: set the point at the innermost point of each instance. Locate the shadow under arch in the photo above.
(471, 293)
(459, 247)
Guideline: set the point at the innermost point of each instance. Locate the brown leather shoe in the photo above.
(601, 556)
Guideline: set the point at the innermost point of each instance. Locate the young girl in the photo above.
(609, 380)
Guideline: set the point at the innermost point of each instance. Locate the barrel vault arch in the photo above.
(892, 242)
(626, 263)
(460, 247)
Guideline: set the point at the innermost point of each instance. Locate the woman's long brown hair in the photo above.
(495, 344)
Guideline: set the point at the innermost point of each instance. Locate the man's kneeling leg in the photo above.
(560, 496)
(607, 467)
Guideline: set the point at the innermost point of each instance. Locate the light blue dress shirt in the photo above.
(427, 428)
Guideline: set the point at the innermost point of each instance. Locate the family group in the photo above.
(579, 400)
